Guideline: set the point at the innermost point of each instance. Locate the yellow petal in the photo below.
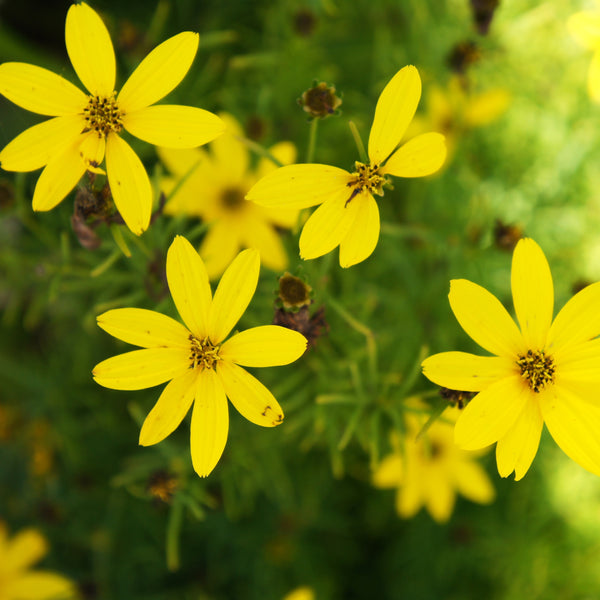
(409, 498)
(423, 155)
(36, 146)
(92, 149)
(485, 108)
(174, 126)
(261, 235)
(466, 372)
(233, 294)
(25, 549)
(142, 369)
(159, 73)
(170, 409)
(266, 346)
(58, 178)
(249, 396)
(577, 321)
(284, 152)
(439, 498)
(39, 90)
(300, 186)
(362, 237)
(39, 585)
(129, 184)
(90, 50)
(574, 424)
(210, 423)
(328, 225)
(516, 450)
(584, 26)
(491, 413)
(473, 483)
(593, 81)
(484, 319)
(394, 111)
(219, 247)
(144, 328)
(533, 292)
(579, 364)
(189, 286)
(228, 151)
(180, 161)
(390, 472)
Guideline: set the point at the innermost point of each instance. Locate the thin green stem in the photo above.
(173, 533)
(312, 140)
(359, 143)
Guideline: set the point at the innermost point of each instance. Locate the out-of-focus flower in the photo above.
(300, 593)
(584, 26)
(430, 470)
(349, 216)
(17, 580)
(453, 111)
(212, 185)
(320, 100)
(543, 371)
(201, 366)
(86, 128)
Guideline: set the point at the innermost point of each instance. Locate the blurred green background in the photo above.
(294, 505)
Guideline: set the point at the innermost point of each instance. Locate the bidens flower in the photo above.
(87, 128)
(203, 367)
(543, 371)
(17, 580)
(349, 216)
(429, 470)
(212, 185)
(584, 26)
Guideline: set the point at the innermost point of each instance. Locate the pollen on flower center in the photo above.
(366, 177)
(203, 354)
(537, 369)
(232, 198)
(102, 115)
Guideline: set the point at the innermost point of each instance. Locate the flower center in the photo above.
(232, 199)
(102, 115)
(537, 369)
(204, 354)
(366, 177)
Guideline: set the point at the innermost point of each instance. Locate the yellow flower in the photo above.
(201, 365)
(86, 128)
(585, 28)
(349, 216)
(543, 371)
(17, 580)
(300, 593)
(453, 111)
(213, 188)
(430, 470)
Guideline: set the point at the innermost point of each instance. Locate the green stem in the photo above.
(359, 143)
(173, 532)
(312, 140)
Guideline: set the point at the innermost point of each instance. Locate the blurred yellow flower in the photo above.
(453, 111)
(544, 370)
(212, 185)
(584, 26)
(86, 128)
(430, 470)
(202, 366)
(349, 216)
(300, 593)
(17, 580)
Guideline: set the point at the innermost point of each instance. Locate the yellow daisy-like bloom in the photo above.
(453, 111)
(543, 370)
(17, 580)
(585, 28)
(87, 128)
(213, 188)
(201, 365)
(349, 216)
(430, 470)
